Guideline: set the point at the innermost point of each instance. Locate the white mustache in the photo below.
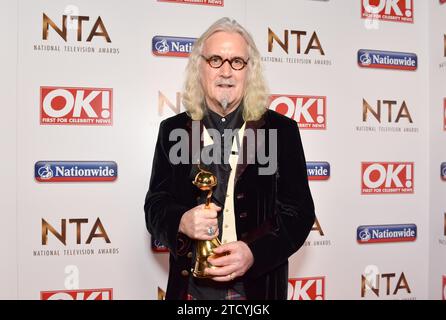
(225, 82)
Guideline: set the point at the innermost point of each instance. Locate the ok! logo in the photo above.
(387, 177)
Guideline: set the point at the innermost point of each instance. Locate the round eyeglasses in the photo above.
(216, 62)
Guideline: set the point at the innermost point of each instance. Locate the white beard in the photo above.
(224, 103)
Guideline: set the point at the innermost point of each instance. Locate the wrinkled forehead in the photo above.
(226, 43)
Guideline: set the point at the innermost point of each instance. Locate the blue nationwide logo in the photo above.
(387, 60)
(386, 233)
(75, 171)
(443, 171)
(318, 170)
(172, 46)
(157, 246)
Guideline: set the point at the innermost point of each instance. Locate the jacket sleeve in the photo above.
(162, 212)
(284, 233)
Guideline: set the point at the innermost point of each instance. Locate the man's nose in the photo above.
(226, 69)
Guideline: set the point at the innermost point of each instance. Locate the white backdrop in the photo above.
(105, 251)
(340, 207)
(437, 210)
(8, 63)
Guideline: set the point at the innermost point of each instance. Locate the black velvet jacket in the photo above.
(274, 213)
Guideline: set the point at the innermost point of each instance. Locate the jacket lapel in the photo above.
(194, 153)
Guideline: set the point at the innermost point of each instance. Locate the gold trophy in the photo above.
(205, 181)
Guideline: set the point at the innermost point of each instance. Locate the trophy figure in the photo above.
(205, 181)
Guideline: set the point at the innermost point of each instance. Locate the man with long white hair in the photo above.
(261, 208)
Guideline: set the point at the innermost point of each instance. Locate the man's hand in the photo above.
(236, 258)
(196, 222)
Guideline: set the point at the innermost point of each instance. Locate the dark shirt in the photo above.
(207, 289)
(232, 121)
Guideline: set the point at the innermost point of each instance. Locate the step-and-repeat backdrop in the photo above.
(85, 85)
(437, 139)
(8, 185)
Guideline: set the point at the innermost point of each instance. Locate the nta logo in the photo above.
(164, 103)
(375, 282)
(444, 44)
(284, 44)
(97, 231)
(161, 294)
(317, 227)
(98, 29)
(390, 116)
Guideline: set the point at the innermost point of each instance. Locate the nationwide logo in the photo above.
(172, 46)
(306, 288)
(216, 3)
(387, 60)
(383, 284)
(86, 294)
(310, 112)
(76, 106)
(387, 177)
(80, 171)
(386, 233)
(443, 171)
(318, 170)
(158, 247)
(388, 10)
